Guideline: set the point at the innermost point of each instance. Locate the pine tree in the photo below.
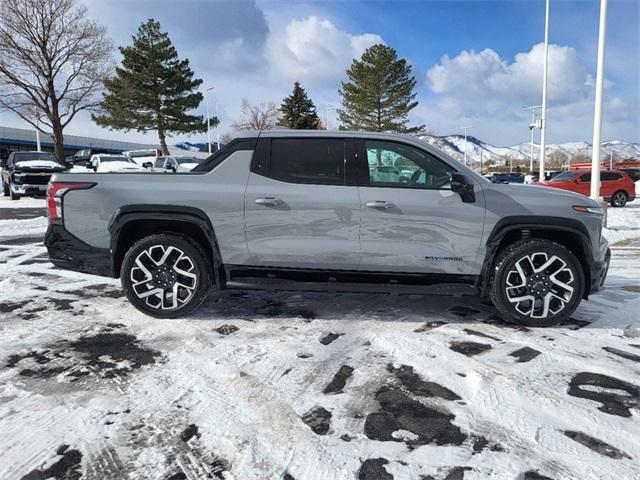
(153, 89)
(379, 94)
(298, 110)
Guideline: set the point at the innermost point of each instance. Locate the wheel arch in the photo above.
(130, 223)
(568, 232)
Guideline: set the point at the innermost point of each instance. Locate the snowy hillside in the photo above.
(477, 150)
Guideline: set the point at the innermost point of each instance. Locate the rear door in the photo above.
(414, 223)
(301, 208)
(584, 184)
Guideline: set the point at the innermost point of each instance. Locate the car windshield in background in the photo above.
(23, 157)
(141, 153)
(188, 160)
(114, 159)
(564, 177)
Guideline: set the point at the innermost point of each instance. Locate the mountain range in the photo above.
(478, 151)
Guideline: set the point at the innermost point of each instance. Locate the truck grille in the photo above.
(32, 178)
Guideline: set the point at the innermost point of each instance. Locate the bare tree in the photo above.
(53, 62)
(257, 117)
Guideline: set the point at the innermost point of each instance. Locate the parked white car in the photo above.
(104, 163)
(143, 156)
(176, 163)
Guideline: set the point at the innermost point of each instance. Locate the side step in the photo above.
(349, 281)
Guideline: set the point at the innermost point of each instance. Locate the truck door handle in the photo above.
(268, 201)
(379, 204)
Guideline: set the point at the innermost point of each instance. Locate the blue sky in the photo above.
(476, 62)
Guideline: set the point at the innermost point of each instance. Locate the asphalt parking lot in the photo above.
(271, 385)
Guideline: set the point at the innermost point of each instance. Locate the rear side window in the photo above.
(610, 176)
(308, 160)
(586, 177)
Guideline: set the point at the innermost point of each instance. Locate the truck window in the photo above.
(393, 164)
(308, 160)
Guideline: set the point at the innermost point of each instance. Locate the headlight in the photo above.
(594, 210)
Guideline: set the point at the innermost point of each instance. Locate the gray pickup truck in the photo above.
(310, 209)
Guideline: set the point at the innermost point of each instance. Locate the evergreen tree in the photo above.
(379, 94)
(153, 89)
(298, 110)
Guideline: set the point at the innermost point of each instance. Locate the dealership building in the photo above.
(20, 139)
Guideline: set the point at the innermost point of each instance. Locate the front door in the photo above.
(299, 210)
(411, 220)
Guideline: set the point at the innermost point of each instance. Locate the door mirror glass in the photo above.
(464, 188)
(147, 164)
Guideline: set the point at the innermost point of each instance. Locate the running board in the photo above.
(349, 281)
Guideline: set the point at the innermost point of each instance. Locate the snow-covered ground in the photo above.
(261, 385)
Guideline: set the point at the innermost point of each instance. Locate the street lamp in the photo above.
(206, 93)
(597, 117)
(465, 128)
(532, 126)
(543, 116)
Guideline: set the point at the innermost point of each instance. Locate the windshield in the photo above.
(141, 153)
(188, 159)
(564, 177)
(23, 157)
(115, 159)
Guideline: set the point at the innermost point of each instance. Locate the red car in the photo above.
(616, 186)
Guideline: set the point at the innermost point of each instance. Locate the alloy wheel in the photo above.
(540, 285)
(619, 199)
(164, 277)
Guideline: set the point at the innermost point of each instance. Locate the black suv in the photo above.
(28, 173)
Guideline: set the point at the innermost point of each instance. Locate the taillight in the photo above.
(55, 192)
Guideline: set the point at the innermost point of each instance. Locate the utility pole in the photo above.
(597, 117)
(543, 116)
(465, 128)
(206, 95)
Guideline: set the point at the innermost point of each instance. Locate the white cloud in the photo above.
(488, 91)
(314, 51)
(487, 78)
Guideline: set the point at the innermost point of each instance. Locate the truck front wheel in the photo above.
(12, 195)
(165, 275)
(537, 283)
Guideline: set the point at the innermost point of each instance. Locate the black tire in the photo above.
(619, 199)
(505, 270)
(162, 243)
(13, 196)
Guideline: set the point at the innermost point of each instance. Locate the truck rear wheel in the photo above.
(165, 275)
(619, 199)
(537, 283)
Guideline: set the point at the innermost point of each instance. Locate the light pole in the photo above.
(206, 95)
(465, 128)
(543, 116)
(532, 127)
(37, 115)
(326, 117)
(597, 117)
